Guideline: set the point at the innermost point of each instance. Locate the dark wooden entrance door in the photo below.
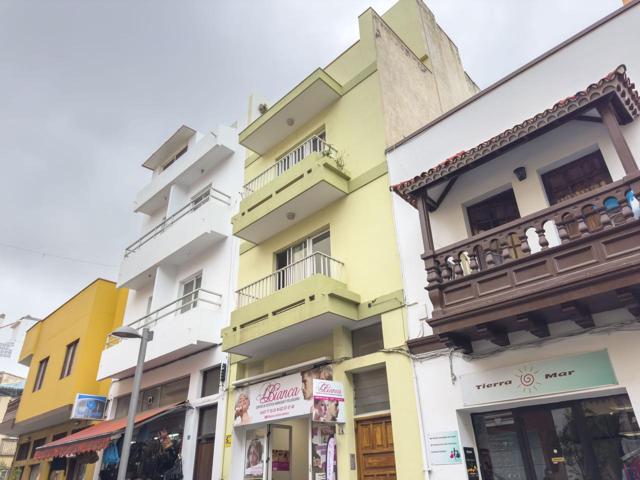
(374, 444)
(204, 460)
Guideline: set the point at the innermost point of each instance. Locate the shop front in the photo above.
(589, 431)
(287, 426)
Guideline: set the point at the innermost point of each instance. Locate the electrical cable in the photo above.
(62, 257)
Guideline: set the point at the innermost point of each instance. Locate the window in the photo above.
(298, 269)
(201, 197)
(371, 393)
(575, 178)
(153, 397)
(69, 357)
(367, 340)
(207, 422)
(493, 212)
(174, 158)
(190, 293)
(42, 368)
(211, 381)
(23, 452)
(37, 444)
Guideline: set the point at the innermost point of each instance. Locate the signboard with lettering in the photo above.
(289, 396)
(328, 401)
(89, 407)
(444, 448)
(564, 374)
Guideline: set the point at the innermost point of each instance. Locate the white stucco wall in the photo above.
(565, 72)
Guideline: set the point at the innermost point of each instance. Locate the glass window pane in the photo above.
(207, 422)
(174, 392)
(211, 381)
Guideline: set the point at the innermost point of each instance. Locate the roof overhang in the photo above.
(38, 422)
(173, 143)
(314, 94)
(615, 88)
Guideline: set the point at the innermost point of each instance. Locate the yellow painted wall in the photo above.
(89, 316)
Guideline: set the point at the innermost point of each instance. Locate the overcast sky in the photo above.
(88, 89)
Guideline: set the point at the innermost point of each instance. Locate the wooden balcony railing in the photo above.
(470, 273)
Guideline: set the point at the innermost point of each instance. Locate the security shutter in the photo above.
(371, 391)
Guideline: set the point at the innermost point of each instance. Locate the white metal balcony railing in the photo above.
(313, 144)
(315, 264)
(202, 198)
(177, 307)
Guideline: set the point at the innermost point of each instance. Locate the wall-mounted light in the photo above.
(290, 121)
(520, 173)
(291, 215)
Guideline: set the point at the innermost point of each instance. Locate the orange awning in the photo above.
(96, 437)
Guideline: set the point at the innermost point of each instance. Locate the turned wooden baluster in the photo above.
(542, 239)
(506, 251)
(488, 257)
(582, 225)
(445, 271)
(457, 267)
(563, 231)
(524, 243)
(473, 263)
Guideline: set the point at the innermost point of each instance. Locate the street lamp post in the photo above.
(145, 336)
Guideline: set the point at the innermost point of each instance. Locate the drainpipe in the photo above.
(425, 460)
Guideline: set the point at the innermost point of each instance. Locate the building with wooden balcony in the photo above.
(320, 295)
(521, 252)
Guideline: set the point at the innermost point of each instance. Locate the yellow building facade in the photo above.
(320, 293)
(62, 353)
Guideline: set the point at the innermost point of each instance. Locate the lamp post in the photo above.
(145, 336)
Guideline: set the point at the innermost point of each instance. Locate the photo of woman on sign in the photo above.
(241, 415)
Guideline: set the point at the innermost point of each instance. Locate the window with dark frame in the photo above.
(69, 357)
(42, 368)
(493, 212)
(37, 444)
(23, 452)
(575, 178)
(175, 157)
(210, 381)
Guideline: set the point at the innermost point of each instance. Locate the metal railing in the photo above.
(194, 204)
(178, 307)
(294, 156)
(315, 264)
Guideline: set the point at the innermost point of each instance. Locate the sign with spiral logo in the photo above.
(556, 375)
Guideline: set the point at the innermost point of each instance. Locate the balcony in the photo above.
(302, 182)
(303, 301)
(201, 157)
(307, 100)
(189, 231)
(578, 257)
(183, 327)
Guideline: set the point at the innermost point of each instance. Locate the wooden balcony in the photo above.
(579, 257)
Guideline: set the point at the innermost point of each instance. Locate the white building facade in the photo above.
(518, 212)
(180, 274)
(12, 335)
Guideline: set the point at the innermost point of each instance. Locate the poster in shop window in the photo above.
(323, 452)
(279, 398)
(254, 455)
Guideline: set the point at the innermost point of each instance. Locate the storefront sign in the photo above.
(328, 401)
(279, 398)
(577, 372)
(444, 448)
(88, 407)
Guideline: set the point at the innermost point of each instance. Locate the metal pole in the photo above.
(135, 392)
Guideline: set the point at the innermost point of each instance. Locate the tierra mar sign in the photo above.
(556, 375)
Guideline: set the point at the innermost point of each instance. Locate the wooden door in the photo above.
(204, 460)
(374, 444)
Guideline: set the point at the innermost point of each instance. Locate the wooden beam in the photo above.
(617, 138)
(587, 118)
(425, 227)
(630, 299)
(494, 333)
(534, 323)
(457, 341)
(578, 313)
(445, 191)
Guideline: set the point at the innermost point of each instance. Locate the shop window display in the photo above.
(155, 451)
